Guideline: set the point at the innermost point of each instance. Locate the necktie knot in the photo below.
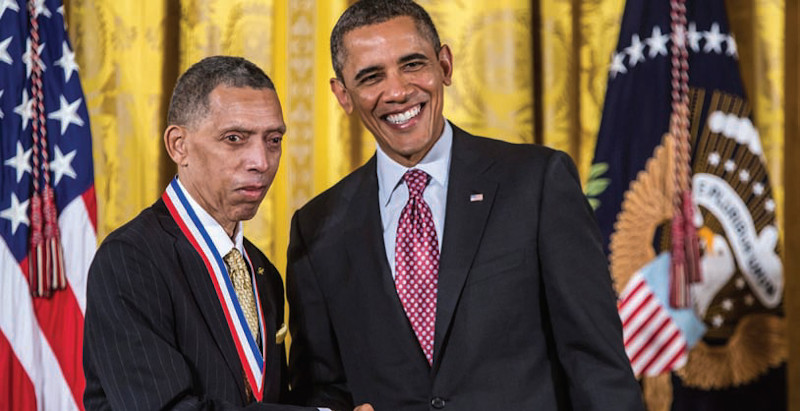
(416, 180)
(234, 260)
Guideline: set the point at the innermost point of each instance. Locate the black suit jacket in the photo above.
(155, 334)
(526, 316)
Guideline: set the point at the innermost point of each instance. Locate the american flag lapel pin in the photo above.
(474, 198)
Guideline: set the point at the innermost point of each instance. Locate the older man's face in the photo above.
(232, 154)
(394, 79)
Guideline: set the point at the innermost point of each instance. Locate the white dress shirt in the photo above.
(393, 192)
(219, 237)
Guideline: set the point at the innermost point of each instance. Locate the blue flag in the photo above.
(737, 303)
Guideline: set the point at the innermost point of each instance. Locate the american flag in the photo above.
(41, 333)
(657, 337)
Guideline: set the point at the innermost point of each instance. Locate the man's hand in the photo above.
(364, 407)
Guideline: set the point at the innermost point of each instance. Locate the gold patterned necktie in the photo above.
(240, 277)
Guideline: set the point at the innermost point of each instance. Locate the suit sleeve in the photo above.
(130, 355)
(580, 298)
(316, 372)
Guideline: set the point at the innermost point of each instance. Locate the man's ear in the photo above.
(446, 63)
(339, 90)
(175, 141)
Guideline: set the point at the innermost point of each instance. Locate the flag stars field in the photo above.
(62, 165)
(694, 37)
(67, 114)
(635, 51)
(21, 161)
(25, 110)
(732, 51)
(26, 58)
(714, 39)
(617, 65)
(17, 213)
(656, 45)
(4, 56)
(8, 5)
(67, 61)
(39, 8)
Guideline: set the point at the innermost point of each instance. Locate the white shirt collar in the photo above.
(219, 237)
(436, 163)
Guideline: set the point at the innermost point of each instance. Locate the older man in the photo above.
(183, 311)
(450, 271)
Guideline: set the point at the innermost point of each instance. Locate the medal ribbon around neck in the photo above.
(251, 357)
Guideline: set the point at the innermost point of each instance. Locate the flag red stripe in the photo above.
(632, 293)
(90, 201)
(673, 362)
(652, 338)
(643, 325)
(660, 350)
(645, 303)
(61, 321)
(15, 385)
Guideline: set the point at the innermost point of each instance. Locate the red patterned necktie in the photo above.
(417, 262)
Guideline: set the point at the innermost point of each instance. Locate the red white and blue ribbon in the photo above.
(250, 356)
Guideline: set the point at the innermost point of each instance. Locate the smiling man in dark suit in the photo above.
(182, 311)
(450, 271)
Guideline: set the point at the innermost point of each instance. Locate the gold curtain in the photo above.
(525, 71)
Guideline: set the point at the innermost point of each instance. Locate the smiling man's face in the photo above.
(394, 79)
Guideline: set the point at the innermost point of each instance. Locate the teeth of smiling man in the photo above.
(404, 117)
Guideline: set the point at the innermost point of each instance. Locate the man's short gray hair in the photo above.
(189, 100)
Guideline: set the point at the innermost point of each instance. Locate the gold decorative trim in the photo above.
(647, 203)
(757, 344)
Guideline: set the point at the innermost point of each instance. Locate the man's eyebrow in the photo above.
(241, 128)
(412, 57)
(366, 71)
(402, 60)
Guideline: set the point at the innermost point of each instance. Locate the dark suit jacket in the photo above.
(155, 334)
(526, 316)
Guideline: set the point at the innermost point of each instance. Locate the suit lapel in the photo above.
(197, 277)
(470, 195)
(364, 236)
(265, 292)
(262, 270)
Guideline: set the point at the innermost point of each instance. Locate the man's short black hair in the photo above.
(369, 12)
(189, 100)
